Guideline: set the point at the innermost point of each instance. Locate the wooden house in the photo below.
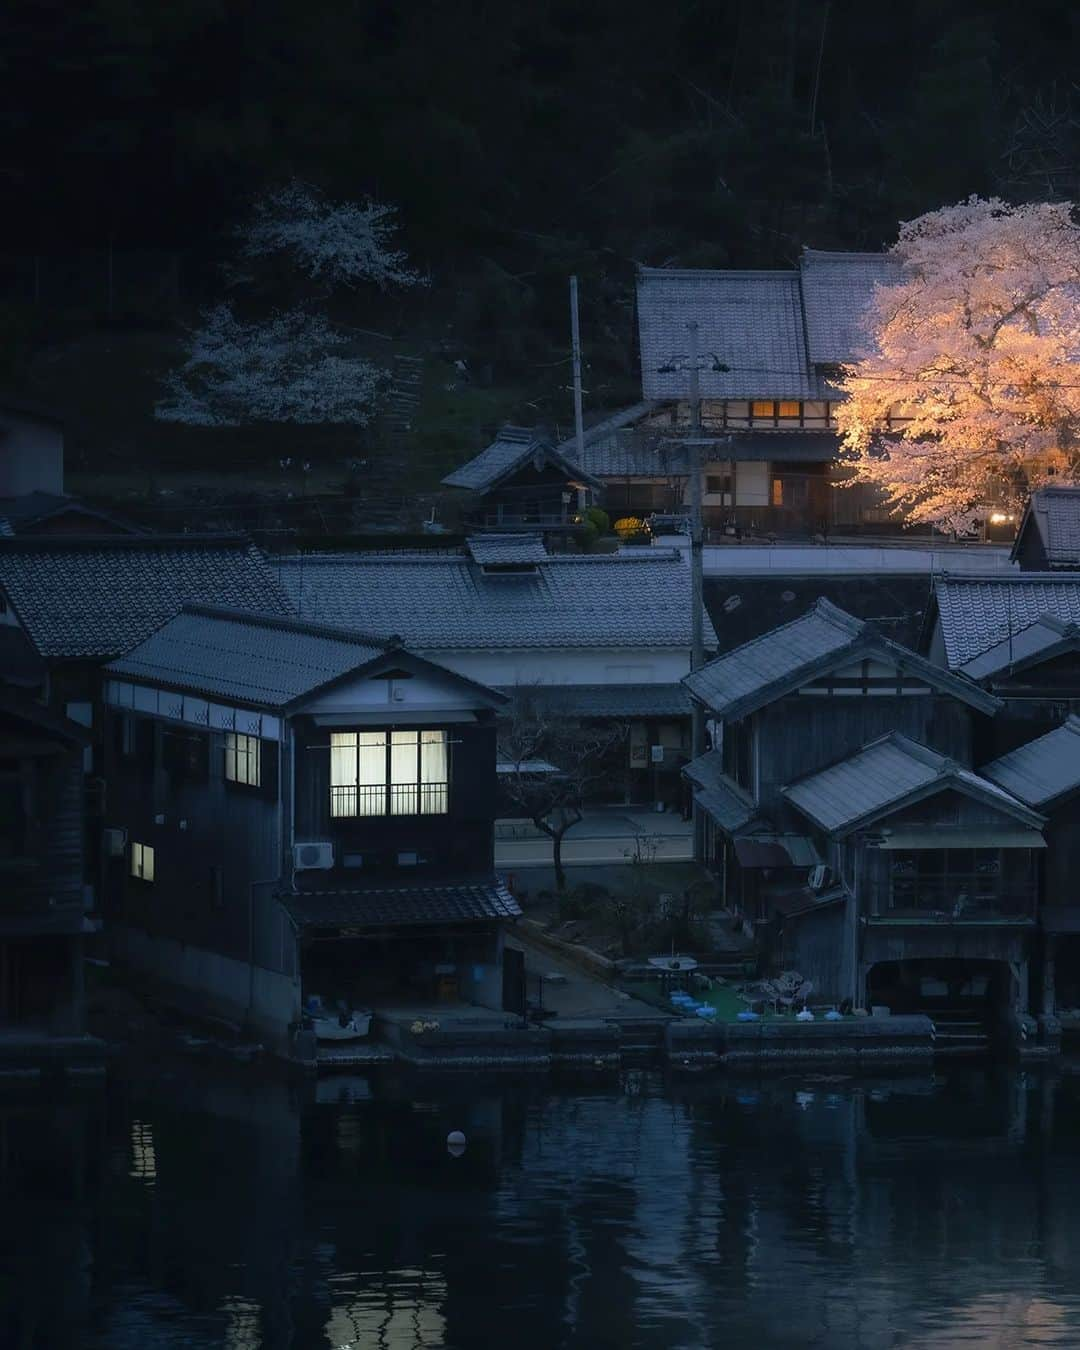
(833, 747)
(1048, 537)
(522, 480)
(43, 920)
(298, 811)
(596, 637)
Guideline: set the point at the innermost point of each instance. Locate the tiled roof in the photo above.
(392, 907)
(21, 514)
(778, 662)
(749, 321)
(1055, 513)
(837, 289)
(445, 601)
(883, 775)
(1042, 770)
(764, 662)
(631, 453)
(1045, 638)
(95, 598)
(977, 613)
(512, 448)
(611, 700)
(267, 661)
(506, 550)
(729, 805)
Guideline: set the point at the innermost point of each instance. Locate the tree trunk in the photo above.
(556, 859)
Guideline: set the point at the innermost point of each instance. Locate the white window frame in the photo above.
(142, 861)
(243, 759)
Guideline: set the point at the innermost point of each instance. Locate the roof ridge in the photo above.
(289, 623)
(44, 543)
(700, 272)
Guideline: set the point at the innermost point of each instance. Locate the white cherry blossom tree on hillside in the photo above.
(969, 389)
(293, 365)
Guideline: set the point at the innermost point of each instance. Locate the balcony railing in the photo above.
(935, 902)
(403, 799)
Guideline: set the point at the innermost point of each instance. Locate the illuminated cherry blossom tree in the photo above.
(294, 365)
(969, 389)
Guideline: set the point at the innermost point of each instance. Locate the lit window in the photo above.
(142, 862)
(777, 492)
(763, 408)
(241, 759)
(789, 408)
(403, 773)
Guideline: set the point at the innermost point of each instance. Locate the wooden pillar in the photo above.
(1049, 988)
(78, 987)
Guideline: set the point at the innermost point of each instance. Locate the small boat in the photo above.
(346, 1024)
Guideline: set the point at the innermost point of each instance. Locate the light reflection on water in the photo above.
(196, 1208)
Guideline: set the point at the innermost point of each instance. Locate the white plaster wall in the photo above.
(31, 456)
(420, 692)
(566, 666)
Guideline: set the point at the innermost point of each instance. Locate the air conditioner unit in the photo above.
(114, 842)
(817, 876)
(309, 857)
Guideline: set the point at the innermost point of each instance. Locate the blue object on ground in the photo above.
(833, 1016)
(748, 1016)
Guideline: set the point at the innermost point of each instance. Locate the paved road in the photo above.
(603, 837)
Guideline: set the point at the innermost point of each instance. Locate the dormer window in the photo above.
(396, 773)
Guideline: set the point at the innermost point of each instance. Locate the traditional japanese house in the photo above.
(523, 480)
(1048, 537)
(43, 919)
(1045, 775)
(298, 811)
(602, 637)
(826, 703)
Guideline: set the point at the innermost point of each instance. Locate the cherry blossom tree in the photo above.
(294, 365)
(969, 388)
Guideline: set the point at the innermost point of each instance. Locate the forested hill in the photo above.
(522, 141)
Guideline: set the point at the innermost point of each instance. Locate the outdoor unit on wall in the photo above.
(310, 857)
(114, 842)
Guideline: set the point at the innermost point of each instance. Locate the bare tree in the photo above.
(553, 762)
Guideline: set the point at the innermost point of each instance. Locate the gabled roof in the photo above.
(1041, 641)
(22, 515)
(729, 805)
(445, 601)
(271, 662)
(93, 598)
(837, 289)
(977, 613)
(1042, 771)
(885, 775)
(768, 667)
(506, 550)
(512, 449)
(749, 321)
(51, 724)
(1055, 514)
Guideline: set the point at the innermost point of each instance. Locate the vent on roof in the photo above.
(514, 569)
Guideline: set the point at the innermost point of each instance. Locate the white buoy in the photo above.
(455, 1143)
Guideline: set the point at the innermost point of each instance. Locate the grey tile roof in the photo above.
(611, 700)
(729, 805)
(1045, 638)
(445, 601)
(403, 906)
(34, 508)
(837, 289)
(506, 550)
(977, 613)
(884, 775)
(750, 321)
(632, 453)
(769, 666)
(1044, 769)
(248, 657)
(1055, 513)
(512, 449)
(95, 598)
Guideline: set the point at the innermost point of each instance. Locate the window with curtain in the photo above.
(397, 773)
(142, 862)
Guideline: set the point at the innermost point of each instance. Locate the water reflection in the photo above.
(198, 1207)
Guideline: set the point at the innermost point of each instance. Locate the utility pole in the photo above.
(575, 351)
(697, 590)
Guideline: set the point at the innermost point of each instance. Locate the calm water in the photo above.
(195, 1207)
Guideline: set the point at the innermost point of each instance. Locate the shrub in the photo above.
(599, 518)
(629, 525)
